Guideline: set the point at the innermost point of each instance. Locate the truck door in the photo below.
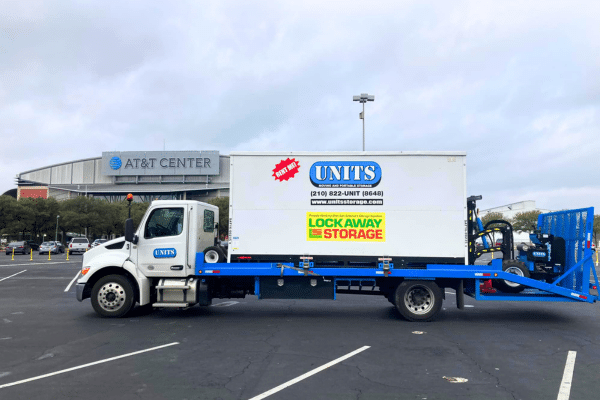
(162, 244)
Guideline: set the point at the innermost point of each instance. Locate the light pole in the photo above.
(56, 233)
(363, 98)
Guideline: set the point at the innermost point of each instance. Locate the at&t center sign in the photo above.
(119, 163)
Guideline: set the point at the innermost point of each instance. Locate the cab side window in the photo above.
(209, 221)
(164, 222)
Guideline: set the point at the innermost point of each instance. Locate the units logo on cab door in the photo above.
(345, 174)
(165, 253)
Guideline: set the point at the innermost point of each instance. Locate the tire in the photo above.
(112, 296)
(213, 255)
(512, 267)
(418, 300)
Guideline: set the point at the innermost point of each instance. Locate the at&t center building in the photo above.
(149, 175)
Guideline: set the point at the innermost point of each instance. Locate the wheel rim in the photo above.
(111, 296)
(419, 300)
(211, 256)
(515, 271)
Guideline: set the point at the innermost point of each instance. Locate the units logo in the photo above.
(115, 163)
(345, 227)
(338, 174)
(165, 253)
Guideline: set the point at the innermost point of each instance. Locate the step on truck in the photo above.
(314, 225)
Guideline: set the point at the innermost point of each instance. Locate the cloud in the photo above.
(512, 83)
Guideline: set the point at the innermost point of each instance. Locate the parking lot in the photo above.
(53, 347)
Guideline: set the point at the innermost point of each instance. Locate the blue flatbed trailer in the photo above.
(573, 285)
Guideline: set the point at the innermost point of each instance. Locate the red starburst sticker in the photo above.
(286, 169)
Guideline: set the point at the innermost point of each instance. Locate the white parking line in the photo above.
(565, 386)
(86, 365)
(308, 374)
(73, 281)
(12, 275)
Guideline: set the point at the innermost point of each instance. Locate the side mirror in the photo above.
(129, 230)
(216, 226)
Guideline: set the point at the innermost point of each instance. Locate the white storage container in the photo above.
(349, 205)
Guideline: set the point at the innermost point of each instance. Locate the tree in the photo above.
(491, 217)
(8, 208)
(41, 215)
(24, 219)
(525, 221)
(223, 204)
(596, 229)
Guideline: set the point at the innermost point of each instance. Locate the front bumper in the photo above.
(79, 288)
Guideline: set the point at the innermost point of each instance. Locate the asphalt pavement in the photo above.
(53, 347)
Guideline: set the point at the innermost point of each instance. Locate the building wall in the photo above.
(61, 173)
(98, 177)
(41, 176)
(60, 195)
(32, 192)
(83, 176)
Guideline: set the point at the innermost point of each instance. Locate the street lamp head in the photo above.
(363, 98)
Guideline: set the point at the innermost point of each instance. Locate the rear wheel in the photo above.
(418, 300)
(512, 267)
(112, 296)
(213, 255)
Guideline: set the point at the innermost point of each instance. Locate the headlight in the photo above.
(523, 247)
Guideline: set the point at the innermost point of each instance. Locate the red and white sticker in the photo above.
(286, 169)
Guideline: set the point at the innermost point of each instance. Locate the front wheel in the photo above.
(512, 267)
(418, 300)
(112, 296)
(214, 255)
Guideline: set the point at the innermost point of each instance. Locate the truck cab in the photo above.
(162, 250)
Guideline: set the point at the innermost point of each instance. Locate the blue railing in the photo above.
(575, 226)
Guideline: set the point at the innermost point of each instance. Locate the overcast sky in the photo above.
(515, 84)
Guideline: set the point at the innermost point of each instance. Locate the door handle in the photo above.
(176, 267)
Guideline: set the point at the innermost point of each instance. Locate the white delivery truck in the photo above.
(307, 225)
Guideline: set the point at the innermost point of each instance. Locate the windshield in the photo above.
(47, 244)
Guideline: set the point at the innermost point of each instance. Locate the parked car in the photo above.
(61, 247)
(33, 245)
(79, 245)
(98, 242)
(19, 247)
(49, 247)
